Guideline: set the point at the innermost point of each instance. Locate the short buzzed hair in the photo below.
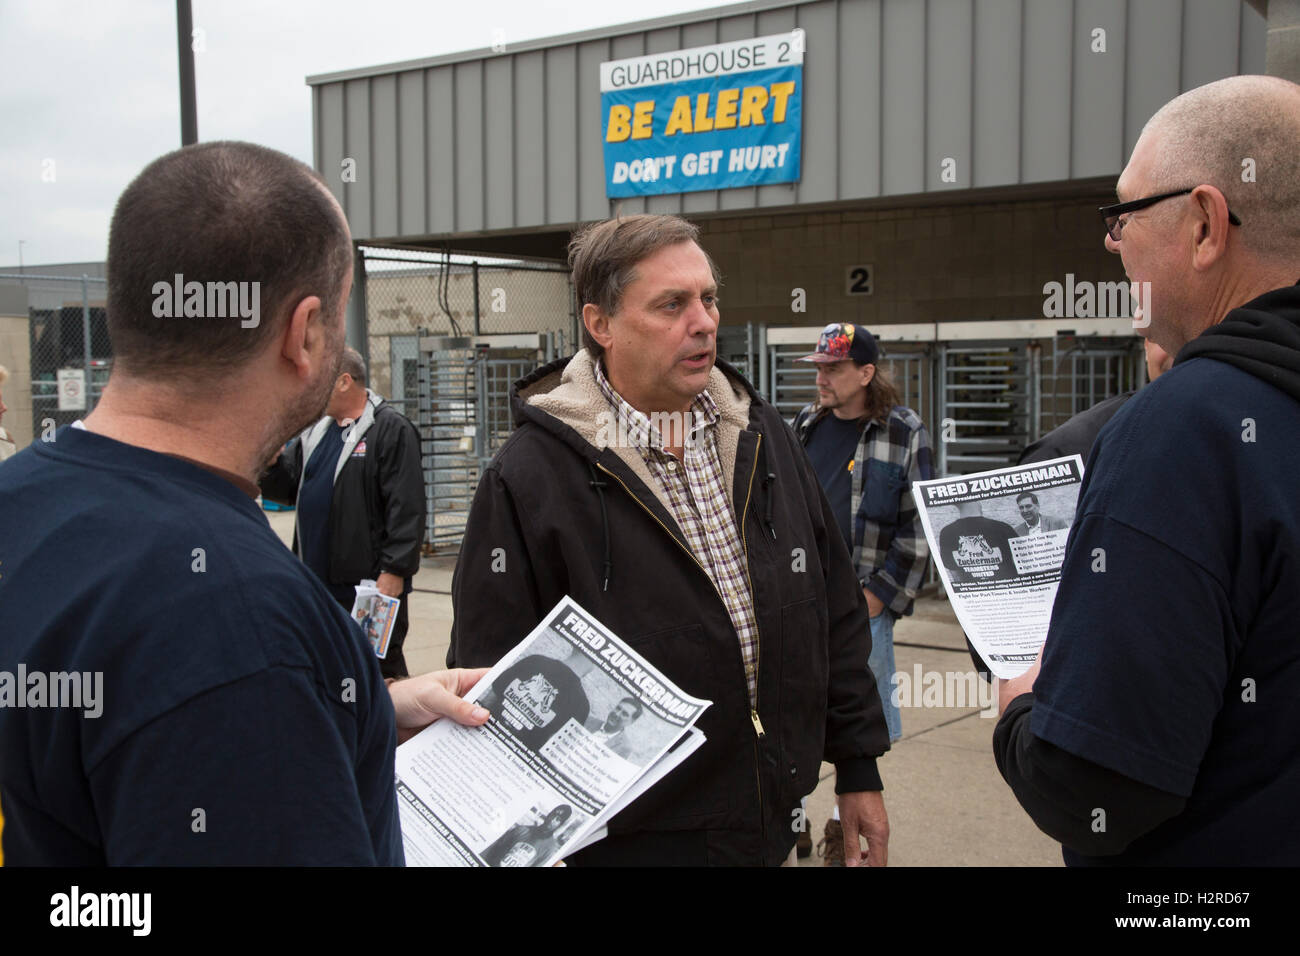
(603, 257)
(220, 214)
(1242, 135)
(354, 365)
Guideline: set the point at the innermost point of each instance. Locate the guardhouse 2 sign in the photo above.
(713, 117)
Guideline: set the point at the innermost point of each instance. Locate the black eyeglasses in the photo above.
(1110, 214)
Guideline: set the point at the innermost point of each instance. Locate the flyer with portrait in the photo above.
(581, 724)
(376, 613)
(998, 540)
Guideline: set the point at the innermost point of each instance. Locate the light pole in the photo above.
(185, 46)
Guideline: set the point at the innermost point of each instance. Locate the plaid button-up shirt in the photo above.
(889, 546)
(697, 493)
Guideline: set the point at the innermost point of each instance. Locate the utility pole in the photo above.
(185, 45)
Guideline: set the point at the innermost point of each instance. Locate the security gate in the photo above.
(447, 409)
(1082, 371)
(738, 346)
(981, 400)
(791, 384)
(464, 416)
(984, 404)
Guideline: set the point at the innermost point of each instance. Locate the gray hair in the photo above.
(1242, 136)
(354, 365)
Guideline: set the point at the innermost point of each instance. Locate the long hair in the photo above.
(882, 396)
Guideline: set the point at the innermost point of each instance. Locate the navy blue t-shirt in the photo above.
(241, 716)
(1173, 654)
(831, 448)
(314, 500)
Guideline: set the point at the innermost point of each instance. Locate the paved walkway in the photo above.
(948, 805)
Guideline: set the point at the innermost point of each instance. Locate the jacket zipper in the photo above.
(744, 544)
(759, 733)
(758, 645)
(753, 710)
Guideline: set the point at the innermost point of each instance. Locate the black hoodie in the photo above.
(1262, 338)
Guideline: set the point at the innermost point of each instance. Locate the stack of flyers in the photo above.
(376, 613)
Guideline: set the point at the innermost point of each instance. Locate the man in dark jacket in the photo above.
(653, 484)
(360, 498)
(1160, 725)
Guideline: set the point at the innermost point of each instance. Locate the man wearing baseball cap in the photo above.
(867, 449)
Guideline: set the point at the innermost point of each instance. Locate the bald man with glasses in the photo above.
(1160, 725)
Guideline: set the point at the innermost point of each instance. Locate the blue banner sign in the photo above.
(713, 117)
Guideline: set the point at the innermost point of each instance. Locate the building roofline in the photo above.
(583, 36)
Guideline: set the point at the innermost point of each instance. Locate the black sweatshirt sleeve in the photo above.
(401, 496)
(856, 733)
(1062, 793)
(280, 481)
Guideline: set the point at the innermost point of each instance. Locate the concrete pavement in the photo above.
(947, 803)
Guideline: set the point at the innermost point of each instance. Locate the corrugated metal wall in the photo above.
(1010, 89)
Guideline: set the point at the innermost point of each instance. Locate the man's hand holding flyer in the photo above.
(581, 724)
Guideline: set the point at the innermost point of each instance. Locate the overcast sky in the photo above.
(90, 96)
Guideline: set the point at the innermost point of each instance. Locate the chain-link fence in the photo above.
(69, 354)
(412, 292)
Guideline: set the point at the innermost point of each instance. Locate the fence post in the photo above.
(477, 330)
(941, 414)
(85, 339)
(1035, 359)
(750, 368)
(357, 318)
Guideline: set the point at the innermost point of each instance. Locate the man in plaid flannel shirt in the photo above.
(867, 450)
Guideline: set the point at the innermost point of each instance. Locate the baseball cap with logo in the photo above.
(840, 341)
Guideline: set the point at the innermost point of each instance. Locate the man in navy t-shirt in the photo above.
(1164, 725)
(175, 686)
